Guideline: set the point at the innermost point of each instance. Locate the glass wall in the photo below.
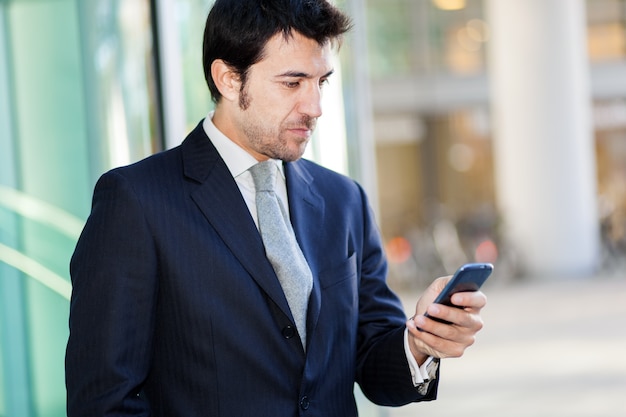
(190, 22)
(77, 96)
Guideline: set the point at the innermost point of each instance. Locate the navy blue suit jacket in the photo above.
(176, 311)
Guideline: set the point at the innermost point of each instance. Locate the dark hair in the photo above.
(236, 31)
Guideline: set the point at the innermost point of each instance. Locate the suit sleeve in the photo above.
(382, 368)
(114, 277)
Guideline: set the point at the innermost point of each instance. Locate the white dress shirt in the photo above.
(238, 162)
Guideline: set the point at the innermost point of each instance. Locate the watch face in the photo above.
(431, 369)
(422, 388)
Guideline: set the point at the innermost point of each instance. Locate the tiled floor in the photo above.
(549, 348)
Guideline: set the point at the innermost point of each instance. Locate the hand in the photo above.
(428, 337)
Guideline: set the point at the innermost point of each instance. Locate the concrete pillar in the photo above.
(543, 140)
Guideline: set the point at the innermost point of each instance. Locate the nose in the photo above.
(311, 101)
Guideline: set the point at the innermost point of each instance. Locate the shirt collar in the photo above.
(236, 158)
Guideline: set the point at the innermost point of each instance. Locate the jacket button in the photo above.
(289, 332)
(304, 402)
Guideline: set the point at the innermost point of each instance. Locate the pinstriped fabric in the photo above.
(171, 285)
(281, 246)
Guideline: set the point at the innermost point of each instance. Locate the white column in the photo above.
(173, 91)
(359, 101)
(543, 140)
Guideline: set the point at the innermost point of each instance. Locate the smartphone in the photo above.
(469, 277)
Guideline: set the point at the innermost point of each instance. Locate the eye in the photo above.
(324, 81)
(291, 84)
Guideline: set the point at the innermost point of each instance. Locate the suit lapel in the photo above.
(306, 208)
(220, 200)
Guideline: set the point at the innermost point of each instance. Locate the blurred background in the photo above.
(483, 130)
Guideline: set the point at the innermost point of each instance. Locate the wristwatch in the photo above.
(431, 370)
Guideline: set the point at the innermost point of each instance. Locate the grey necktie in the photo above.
(281, 246)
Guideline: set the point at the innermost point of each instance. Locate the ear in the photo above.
(226, 80)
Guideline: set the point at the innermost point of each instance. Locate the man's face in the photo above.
(281, 99)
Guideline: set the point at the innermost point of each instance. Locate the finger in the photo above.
(438, 339)
(430, 325)
(441, 282)
(461, 329)
(475, 300)
(466, 320)
(433, 345)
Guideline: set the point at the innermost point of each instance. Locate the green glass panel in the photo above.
(77, 97)
(52, 165)
(191, 19)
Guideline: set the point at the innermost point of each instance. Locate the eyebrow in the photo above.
(296, 74)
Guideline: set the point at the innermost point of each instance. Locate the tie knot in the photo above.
(264, 175)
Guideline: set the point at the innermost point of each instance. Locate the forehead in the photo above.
(296, 52)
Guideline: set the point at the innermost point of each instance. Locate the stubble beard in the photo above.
(262, 139)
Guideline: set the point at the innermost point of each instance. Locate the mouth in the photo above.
(304, 129)
(302, 132)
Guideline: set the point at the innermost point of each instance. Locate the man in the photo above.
(178, 309)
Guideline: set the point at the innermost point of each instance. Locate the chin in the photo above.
(291, 157)
(294, 153)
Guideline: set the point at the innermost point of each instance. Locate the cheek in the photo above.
(272, 108)
(279, 102)
(277, 113)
